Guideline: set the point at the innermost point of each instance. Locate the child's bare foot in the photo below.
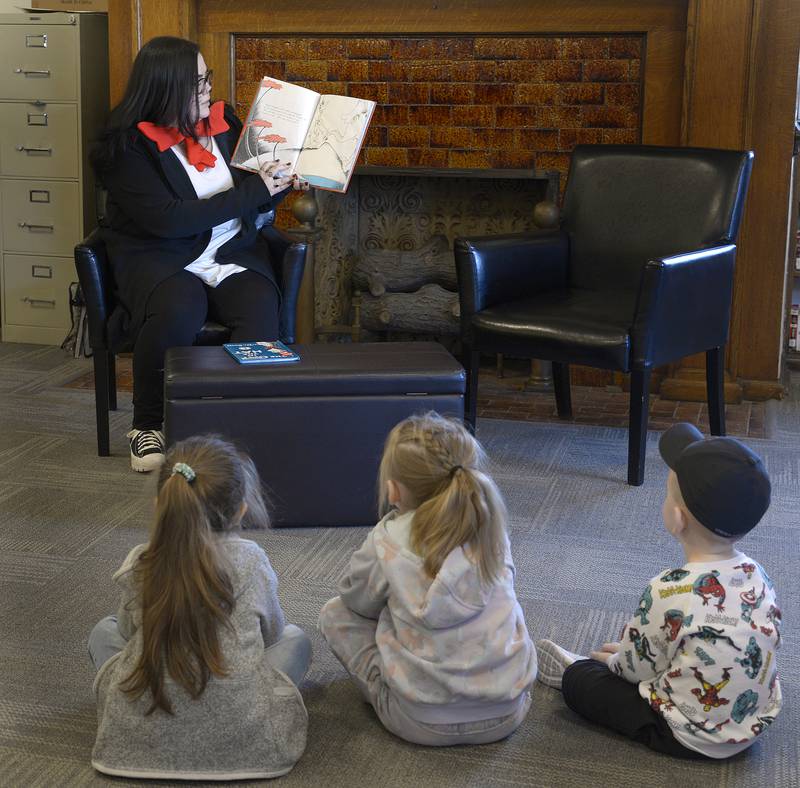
(553, 661)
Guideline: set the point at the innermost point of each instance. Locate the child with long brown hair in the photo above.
(427, 622)
(197, 673)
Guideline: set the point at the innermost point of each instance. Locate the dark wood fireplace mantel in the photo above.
(437, 172)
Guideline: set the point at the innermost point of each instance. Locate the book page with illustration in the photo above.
(320, 135)
(276, 125)
(333, 141)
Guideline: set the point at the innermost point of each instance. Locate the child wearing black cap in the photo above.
(694, 673)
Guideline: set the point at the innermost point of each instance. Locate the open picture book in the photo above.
(320, 135)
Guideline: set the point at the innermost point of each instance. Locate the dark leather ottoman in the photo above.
(315, 428)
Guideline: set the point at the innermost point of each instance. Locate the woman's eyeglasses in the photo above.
(205, 80)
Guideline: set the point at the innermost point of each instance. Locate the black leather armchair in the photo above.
(94, 274)
(640, 274)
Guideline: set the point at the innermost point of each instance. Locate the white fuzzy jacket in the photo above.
(453, 649)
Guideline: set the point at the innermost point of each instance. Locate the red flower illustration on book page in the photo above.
(276, 138)
(269, 83)
(262, 124)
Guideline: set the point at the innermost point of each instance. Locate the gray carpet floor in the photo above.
(584, 545)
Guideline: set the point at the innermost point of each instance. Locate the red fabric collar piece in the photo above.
(167, 136)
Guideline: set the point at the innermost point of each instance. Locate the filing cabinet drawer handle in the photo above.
(21, 148)
(36, 228)
(36, 301)
(42, 72)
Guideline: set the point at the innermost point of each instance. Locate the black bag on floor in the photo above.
(77, 340)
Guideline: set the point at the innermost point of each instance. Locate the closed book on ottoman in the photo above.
(315, 428)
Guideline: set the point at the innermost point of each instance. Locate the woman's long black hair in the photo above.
(162, 89)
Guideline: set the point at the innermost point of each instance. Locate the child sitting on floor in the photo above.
(197, 673)
(427, 622)
(694, 674)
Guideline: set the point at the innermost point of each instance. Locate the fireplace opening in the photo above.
(386, 247)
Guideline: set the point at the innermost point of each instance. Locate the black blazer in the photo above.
(156, 225)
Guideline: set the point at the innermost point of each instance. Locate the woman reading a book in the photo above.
(182, 229)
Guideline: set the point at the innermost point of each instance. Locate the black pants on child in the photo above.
(593, 691)
(247, 302)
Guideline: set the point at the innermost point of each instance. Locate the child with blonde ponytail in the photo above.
(197, 673)
(427, 622)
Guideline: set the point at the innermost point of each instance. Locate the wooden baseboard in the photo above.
(760, 390)
(689, 384)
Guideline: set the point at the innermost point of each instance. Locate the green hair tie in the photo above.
(184, 470)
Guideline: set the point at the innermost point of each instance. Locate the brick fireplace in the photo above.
(490, 104)
(465, 101)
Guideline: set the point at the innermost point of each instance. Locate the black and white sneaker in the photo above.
(147, 450)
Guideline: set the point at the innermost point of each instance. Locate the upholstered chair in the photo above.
(640, 274)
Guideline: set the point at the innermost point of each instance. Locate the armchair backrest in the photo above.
(627, 204)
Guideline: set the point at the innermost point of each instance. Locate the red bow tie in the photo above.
(167, 136)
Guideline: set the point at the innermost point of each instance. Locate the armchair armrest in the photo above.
(684, 305)
(91, 263)
(500, 268)
(288, 257)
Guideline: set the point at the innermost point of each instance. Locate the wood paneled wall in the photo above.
(741, 89)
(758, 330)
(718, 73)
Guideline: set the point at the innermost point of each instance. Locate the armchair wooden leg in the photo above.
(101, 401)
(637, 430)
(715, 382)
(562, 390)
(472, 364)
(112, 381)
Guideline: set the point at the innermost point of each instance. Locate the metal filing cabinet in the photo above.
(53, 104)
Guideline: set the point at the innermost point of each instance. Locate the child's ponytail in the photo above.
(457, 503)
(185, 590)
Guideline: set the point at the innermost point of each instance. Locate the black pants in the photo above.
(247, 302)
(593, 691)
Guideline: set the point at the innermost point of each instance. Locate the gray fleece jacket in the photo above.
(453, 648)
(250, 724)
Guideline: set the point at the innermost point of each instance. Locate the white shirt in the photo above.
(211, 181)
